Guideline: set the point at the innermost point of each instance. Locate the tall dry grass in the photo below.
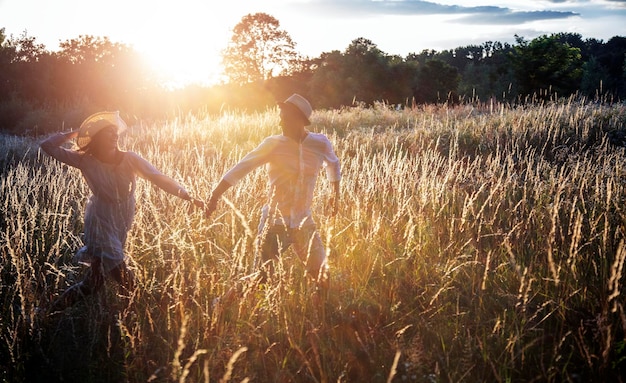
(473, 244)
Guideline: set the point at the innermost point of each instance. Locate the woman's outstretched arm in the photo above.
(52, 146)
(168, 184)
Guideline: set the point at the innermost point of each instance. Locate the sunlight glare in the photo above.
(183, 45)
(180, 65)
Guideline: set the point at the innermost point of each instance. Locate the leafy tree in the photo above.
(88, 49)
(402, 80)
(25, 68)
(104, 72)
(327, 82)
(362, 73)
(258, 50)
(7, 54)
(31, 67)
(436, 82)
(612, 58)
(573, 40)
(18, 57)
(546, 63)
(420, 59)
(488, 74)
(460, 57)
(25, 48)
(367, 74)
(594, 78)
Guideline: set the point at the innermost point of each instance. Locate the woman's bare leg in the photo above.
(92, 282)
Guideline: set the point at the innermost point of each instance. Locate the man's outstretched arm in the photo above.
(215, 196)
(334, 200)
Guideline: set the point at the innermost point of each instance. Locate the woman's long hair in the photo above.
(90, 148)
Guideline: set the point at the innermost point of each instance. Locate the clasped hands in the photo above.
(207, 207)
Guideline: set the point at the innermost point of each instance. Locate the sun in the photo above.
(183, 45)
(179, 65)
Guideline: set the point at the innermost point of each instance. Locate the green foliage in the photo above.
(546, 65)
(93, 73)
(490, 77)
(594, 78)
(103, 72)
(258, 50)
(361, 74)
(336, 80)
(437, 82)
(613, 59)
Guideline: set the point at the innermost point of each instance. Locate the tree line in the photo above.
(42, 89)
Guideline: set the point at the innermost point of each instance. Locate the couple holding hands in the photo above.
(293, 158)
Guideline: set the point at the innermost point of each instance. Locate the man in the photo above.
(293, 160)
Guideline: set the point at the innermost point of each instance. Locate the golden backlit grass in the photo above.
(473, 244)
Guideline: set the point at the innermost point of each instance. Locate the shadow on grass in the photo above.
(81, 344)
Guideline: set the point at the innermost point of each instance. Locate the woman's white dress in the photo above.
(111, 207)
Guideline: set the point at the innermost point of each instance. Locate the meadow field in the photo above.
(473, 244)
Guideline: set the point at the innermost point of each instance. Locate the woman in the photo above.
(111, 176)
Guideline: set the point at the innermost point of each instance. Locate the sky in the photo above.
(183, 39)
